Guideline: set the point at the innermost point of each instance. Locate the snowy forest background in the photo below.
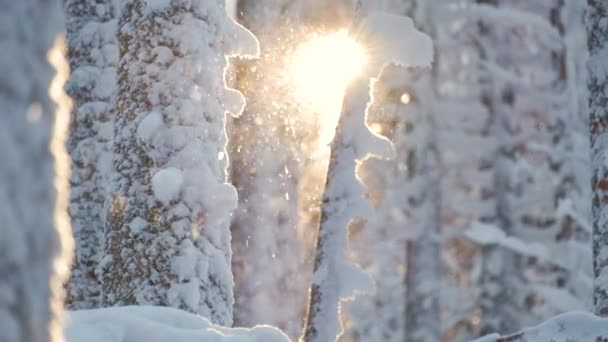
(459, 194)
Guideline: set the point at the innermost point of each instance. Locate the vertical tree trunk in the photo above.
(93, 55)
(35, 236)
(406, 190)
(498, 270)
(168, 234)
(533, 179)
(423, 273)
(467, 148)
(597, 31)
(335, 278)
(267, 162)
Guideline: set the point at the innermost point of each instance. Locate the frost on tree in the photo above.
(168, 239)
(400, 111)
(408, 218)
(551, 173)
(267, 146)
(597, 30)
(423, 262)
(93, 55)
(35, 229)
(387, 39)
(527, 94)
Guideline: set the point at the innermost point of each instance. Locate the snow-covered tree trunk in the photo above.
(406, 190)
(553, 209)
(379, 245)
(35, 236)
(168, 235)
(387, 39)
(93, 55)
(498, 265)
(423, 268)
(267, 156)
(465, 145)
(597, 30)
(334, 277)
(525, 68)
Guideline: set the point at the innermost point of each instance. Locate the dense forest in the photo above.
(304, 170)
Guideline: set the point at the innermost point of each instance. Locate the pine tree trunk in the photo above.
(35, 237)
(267, 161)
(466, 148)
(334, 277)
(406, 189)
(498, 265)
(168, 231)
(93, 55)
(597, 31)
(423, 273)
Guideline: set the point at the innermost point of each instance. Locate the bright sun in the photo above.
(322, 68)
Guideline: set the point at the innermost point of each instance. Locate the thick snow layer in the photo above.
(157, 324)
(393, 39)
(167, 184)
(389, 39)
(173, 171)
(157, 5)
(569, 327)
(231, 8)
(149, 125)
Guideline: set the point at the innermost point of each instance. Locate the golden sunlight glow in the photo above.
(322, 68)
(61, 117)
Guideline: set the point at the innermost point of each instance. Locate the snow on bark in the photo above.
(597, 82)
(423, 203)
(391, 39)
(499, 272)
(34, 174)
(464, 145)
(379, 244)
(168, 235)
(157, 324)
(520, 89)
(534, 96)
(409, 213)
(423, 260)
(93, 55)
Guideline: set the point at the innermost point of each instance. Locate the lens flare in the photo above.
(322, 68)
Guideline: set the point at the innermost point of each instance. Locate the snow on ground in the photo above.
(157, 324)
(575, 326)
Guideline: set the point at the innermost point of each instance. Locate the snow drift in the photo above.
(157, 324)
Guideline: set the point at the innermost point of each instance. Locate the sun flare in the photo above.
(322, 67)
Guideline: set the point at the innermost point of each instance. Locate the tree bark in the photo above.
(341, 202)
(93, 55)
(168, 235)
(597, 30)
